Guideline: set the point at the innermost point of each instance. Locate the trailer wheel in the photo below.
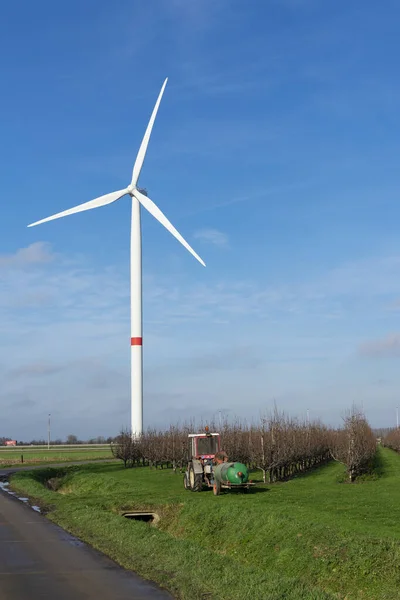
(195, 480)
(217, 488)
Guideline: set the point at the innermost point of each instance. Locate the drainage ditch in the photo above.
(135, 515)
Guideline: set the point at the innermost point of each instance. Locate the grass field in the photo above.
(32, 456)
(311, 538)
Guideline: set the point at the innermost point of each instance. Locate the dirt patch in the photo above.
(54, 483)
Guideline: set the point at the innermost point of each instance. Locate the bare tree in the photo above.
(72, 439)
(355, 444)
(126, 448)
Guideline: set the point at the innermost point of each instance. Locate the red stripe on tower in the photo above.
(136, 341)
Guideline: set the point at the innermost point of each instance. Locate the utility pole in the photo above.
(308, 417)
(397, 416)
(48, 433)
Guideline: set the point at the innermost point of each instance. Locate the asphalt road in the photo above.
(40, 561)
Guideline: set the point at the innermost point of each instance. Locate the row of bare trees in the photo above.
(154, 448)
(392, 440)
(278, 445)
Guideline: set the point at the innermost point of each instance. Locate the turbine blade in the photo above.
(137, 167)
(101, 201)
(161, 218)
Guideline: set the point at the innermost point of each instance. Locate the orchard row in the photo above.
(278, 445)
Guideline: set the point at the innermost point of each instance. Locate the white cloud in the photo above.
(388, 346)
(37, 253)
(212, 236)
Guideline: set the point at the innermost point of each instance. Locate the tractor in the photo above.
(202, 472)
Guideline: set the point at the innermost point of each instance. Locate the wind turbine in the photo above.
(138, 198)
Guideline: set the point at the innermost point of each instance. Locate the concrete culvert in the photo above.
(147, 517)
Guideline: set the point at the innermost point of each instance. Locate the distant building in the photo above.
(11, 442)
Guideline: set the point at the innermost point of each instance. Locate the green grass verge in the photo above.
(12, 458)
(311, 538)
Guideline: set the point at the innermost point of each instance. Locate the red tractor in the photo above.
(202, 450)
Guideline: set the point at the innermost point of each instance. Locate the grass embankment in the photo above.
(311, 538)
(12, 458)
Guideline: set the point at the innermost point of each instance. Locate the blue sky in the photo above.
(275, 153)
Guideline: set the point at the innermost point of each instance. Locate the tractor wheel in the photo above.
(195, 480)
(217, 488)
(186, 482)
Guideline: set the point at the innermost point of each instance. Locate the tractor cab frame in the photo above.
(203, 445)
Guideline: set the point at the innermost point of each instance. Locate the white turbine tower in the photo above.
(136, 263)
